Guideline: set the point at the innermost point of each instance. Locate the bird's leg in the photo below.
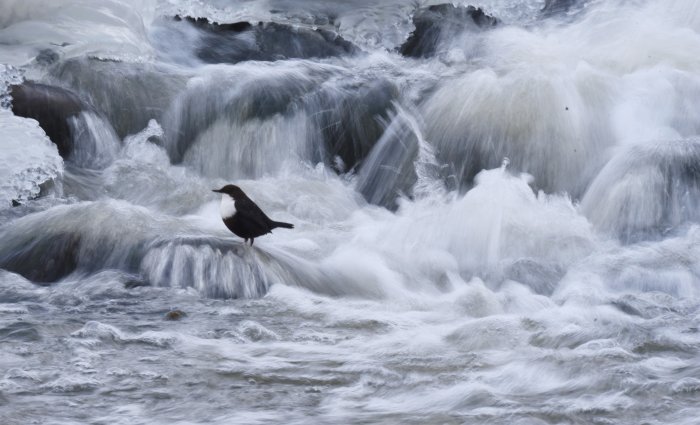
(251, 241)
(246, 240)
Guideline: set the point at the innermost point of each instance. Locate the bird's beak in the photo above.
(216, 190)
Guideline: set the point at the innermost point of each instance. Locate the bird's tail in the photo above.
(282, 224)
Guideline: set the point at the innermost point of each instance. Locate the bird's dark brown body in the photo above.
(243, 217)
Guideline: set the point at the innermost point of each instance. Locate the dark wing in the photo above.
(253, 217)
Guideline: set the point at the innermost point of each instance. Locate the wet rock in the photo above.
(561, 149)
(50, 245)
(47, 57)
(83, 136)
(129, 94)
(254, 331)
(540, 277)
(646, 191)
(175, 315)
(266, 41)
(19, 331)
(135, 283)
(626, 307)
(41, 259)
(218, 268)
(86, 238)
(438, 23)
(52, 107)
(352, 119)
(250, 98)
(389, 170)
(555, 7)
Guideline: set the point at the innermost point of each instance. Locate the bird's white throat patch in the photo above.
(227, 207)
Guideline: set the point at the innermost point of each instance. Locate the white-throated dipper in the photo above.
(243, 217)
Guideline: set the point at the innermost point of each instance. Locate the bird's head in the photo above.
(231, 190)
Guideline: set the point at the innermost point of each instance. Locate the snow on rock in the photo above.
(27, 158)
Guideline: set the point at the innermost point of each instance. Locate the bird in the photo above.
(243, 217)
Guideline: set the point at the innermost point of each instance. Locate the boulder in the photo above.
(438, 23)
(389, 170)
(646, 191)
(128, 94)
(558, 7)
(226, 111)
(52, 107)
(265, 41)
(89, 237)
(82, 136)
(352, 118)
(44, 260)
(176, 314)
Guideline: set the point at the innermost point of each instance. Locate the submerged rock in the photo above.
(236, 114)
(541, 277)
(47, 57)
(175, 315)
(352, 118)
(92, 236)
(439, 23)
(45, 260)
(554, 7)
(48, 246)
(217, 268)
(646, 191)
(129, 94)
(19, 331)
(302, 110)
(266, 41)
(476, 119)
(389, 170)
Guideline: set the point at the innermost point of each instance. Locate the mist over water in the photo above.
(494, 223)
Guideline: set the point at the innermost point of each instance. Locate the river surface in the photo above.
(496, 224)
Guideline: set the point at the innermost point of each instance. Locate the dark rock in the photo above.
(229, 270)
(129, 94)
(19, 331)
(175, 315)
(47, 57)
(41, 260)
(83, 137)
(646, 191)
(16, 203)
(256, 98)
(135, 282)
(352, 119)
(552, 7)
(285, 41)
(204, 24)
(266, 41)
(389, 170)
(52, 107)
(50, 245)
(438, 23)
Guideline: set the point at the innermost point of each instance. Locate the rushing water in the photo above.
(497, 226)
